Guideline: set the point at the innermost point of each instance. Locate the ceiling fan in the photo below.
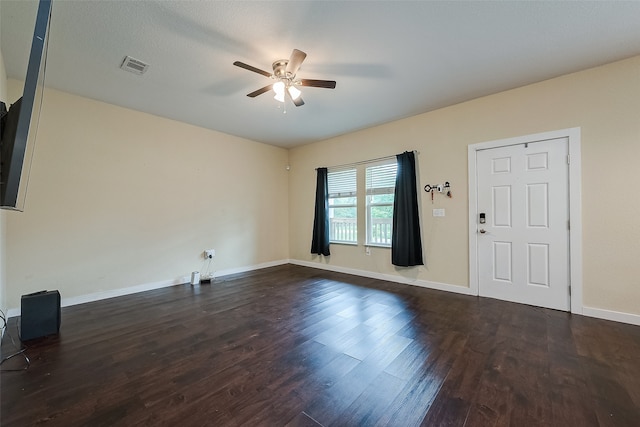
(284, 74)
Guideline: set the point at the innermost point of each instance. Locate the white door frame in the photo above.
(575, 207)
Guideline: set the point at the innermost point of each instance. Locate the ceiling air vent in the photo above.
(134, 65)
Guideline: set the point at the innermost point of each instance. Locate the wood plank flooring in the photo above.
(296, 346)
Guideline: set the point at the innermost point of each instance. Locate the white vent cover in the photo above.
(134, 65)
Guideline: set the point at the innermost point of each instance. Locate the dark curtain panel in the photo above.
(406, 246)
(320, 241)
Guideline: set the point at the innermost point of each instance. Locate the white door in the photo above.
(523, 244)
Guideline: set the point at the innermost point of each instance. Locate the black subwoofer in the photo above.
(40, 314)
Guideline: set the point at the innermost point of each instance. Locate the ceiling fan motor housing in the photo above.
(280, 69)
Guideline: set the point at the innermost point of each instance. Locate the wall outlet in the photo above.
(209, 253)
(438, 212)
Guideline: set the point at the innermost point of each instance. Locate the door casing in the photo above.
(575, 203)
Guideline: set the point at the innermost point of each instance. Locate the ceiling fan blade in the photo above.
(260, 91)
(297, 56)
(327, 84)
(251, 68)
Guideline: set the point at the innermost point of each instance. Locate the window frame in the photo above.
(374, 189)
(345, 189)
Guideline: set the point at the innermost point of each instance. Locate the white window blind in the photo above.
(381, 179)
(342, 183)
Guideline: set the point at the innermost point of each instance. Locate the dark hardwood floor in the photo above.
(295, 346)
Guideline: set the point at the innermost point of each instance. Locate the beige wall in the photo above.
(604, 102)
(119, 198)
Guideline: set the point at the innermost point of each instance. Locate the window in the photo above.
(381, 181)
(343, 211)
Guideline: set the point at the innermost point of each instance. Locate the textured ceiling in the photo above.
(391, 59)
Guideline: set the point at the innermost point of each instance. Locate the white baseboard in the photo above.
(111, 293)
(388, 277)
(249, 268)
(616, 316)
(97, 296)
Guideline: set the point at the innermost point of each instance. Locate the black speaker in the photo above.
(40, 314)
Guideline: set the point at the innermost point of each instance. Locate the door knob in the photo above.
(482, 230)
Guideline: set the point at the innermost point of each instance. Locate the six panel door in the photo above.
(523, 245)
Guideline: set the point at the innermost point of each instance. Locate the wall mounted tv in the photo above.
(19, 125)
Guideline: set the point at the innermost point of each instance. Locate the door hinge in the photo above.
(568, 159)
(569, 225)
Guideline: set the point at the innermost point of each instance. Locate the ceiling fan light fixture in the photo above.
(278, 88)
(294, 92)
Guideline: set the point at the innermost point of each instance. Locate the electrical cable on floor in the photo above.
(19, 352)
(203, 263)
(207, 275)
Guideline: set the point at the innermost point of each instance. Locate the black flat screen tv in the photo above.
(19, 125)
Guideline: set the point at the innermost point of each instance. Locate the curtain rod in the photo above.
(362, 162)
